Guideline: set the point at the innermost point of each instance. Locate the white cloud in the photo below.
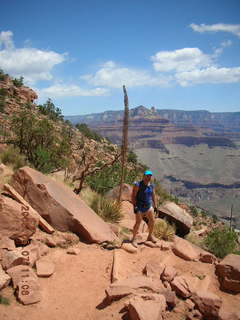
(209, 75)
(6, 40)
(60, 90)
(232, 28)
(113, 76)
(190, 66)
(33, 64)
(180, 60)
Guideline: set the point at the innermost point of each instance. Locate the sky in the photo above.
(175, 54)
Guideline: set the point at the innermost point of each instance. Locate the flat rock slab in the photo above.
(13, 258)
(28, 291)
(60, 207)
(7, 189)
(20, 273)
(14, 223)
(45, 268)
(146, 309)
(183, 249)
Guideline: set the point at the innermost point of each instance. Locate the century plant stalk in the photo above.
(124, 141)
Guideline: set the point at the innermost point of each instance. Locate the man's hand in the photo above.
(135, 209)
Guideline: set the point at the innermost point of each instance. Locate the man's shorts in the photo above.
(142, 210)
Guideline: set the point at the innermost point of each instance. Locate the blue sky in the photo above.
(175, 54)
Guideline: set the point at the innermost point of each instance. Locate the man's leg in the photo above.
(151, 220)
(138, 217)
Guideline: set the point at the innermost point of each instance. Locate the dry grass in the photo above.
(164, 230)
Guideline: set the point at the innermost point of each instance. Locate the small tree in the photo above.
(89, 165)
(18, 82)
(49, 109)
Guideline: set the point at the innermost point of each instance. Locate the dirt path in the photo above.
(73, 292)
(77, 288)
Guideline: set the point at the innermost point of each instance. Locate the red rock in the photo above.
(228, 272)
(207, 303)
(183, 249)
(168, 274)
(7, 189)
(184, 285)
(180, 217)
(4, 278)
(19, 273)
(12, 222)
(129, 247)
(63, 209)
(28, 291)
(7, 243)
(207, 257)
(154, 269)
(45, 268)
(13, 258)
(140, 309)
(226, 313)
(74, 251)
(122, 288)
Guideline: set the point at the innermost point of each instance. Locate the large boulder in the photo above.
(228, 272)
(57, 204)
(177, 215)
(14, 223)
(184, 249)
(207, 303)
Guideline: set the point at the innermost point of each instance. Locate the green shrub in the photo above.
(194, 211)
(18, 82)
(109, 210)
(43, 146)
(11, 156)
(132, 157)
(49, 110)
(2, 105)
(164, 230)
(2, 75)
(221, 241)
(87, 132)
(4, 301)
(109, 177)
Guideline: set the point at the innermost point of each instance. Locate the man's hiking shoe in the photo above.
(152, 239)
(134, 243)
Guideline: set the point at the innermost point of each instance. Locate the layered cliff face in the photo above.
(195, 154)
(154, 128)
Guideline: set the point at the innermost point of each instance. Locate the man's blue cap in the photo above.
(148, 173)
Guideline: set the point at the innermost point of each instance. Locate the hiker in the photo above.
(143, 200)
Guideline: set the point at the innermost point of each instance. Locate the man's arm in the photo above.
(134, 194)
(154, 199)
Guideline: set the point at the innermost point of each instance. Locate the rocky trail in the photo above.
(87, 271)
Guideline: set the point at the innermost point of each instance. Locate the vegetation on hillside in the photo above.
(51, 111)
(109, 177)
(40, 142)
(87, 132)
(221, 241)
